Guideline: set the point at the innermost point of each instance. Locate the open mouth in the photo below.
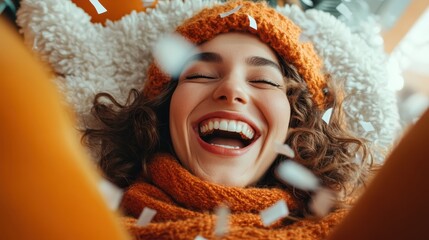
(230, 134)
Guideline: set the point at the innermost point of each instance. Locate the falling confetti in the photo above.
(284, 149)
(200, 238)
(149, 3)
(146, 217)
(322, 202)
(358, 158)
(344, 10)
(308, 3)
(171, 52)
(297, 175)
(327, 115)
(111, 193)
(222, 220)
(35, 44)
(367, 126)
(226, 14)
(274, 213)
(252, 22)
(98, 7)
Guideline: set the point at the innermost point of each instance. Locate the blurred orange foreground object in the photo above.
(48, 185)
(116, 9)
(396, 203)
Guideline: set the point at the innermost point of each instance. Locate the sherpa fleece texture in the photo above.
(88, 58)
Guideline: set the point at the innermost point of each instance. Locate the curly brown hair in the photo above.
(341, 161)
(131, 133)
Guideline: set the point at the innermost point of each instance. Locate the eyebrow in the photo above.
(206, 57)
(260, 61)
(217, 58)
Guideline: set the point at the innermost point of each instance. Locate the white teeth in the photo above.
(239, 127)
(223, 125)
(227, 125)
(225, 146)
(251, 134)
(215, 125)
(244, 129)
(232, 125)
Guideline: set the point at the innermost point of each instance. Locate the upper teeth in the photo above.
(227, 125)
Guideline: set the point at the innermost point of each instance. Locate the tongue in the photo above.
(227, 142)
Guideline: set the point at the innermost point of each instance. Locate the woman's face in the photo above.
(229, 109)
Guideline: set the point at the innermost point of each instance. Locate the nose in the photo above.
(231, 90)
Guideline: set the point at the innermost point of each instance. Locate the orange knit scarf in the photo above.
(185, 204)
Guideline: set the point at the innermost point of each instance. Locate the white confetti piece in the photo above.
(277, 211)
(367, 126)
(148, 3)
(111, 193)
(146, 217)
(98, 7)
(284, 149)
(344, 10)
(252, 22)
(171, 52)
(297, 175)
(35, 44)
(308, 3)
(226, 14)
(322, 202)
(200, 238)
(358, 158)
(222, 220)
(327, 115)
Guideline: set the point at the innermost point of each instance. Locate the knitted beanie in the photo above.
(274, 29)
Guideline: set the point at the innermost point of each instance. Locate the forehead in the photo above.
(238, 45)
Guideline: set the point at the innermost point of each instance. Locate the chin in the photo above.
(228, 179)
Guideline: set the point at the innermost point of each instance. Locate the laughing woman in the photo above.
(187, 144)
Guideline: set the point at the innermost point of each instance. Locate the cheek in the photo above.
(177, 123)
(183, 102)
(277, 112)
(177, 106)
(179, 111)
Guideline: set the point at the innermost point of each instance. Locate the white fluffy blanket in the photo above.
(88, 58)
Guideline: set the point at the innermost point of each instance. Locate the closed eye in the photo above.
(263, 81)
(198, 76)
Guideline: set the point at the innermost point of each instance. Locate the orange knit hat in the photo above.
(274, 29)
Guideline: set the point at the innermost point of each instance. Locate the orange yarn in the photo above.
(273, 28)
(185, 205)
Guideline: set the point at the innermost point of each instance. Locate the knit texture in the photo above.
(185, 208)
(274, 29)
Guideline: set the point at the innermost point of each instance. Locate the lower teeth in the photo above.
(225, 146)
